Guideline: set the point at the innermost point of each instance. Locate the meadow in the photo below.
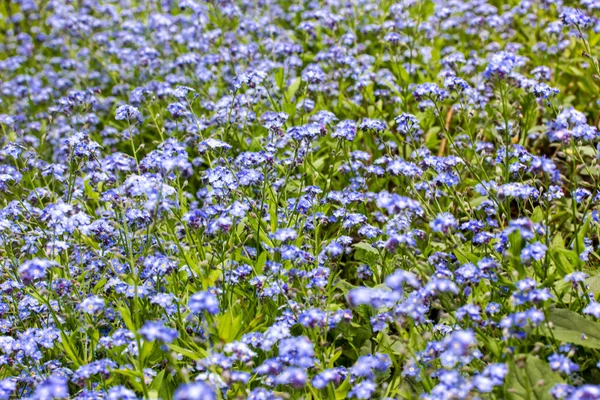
(275, 199)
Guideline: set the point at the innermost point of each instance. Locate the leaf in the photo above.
(579, 243)
(465, 256)
(293, 88)
(571, 327)
(365, 252)
(147, 349)
(263, 235)
(533, 380)
(344, 286)
(100, 285)
(563, 260)
(516, 245)
(69, 347)
(593, 284)
(126, 315)
(187, 353)
(229, 326)
(240, 228)
(558, 242)
(279, 78)
(157, 381)
(334, 357)
(260, 263)
(537, 215)
(134, 378)
(477, 201)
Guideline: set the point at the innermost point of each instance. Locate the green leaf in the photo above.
(100, 285)
(342, 391)
(537, 215)
(147, 349)
(157, 381)
(530, 378)
(365, 252)
(465, 256)
(344, 286)
(579, 243)
(570, 327)
(260, 262)
(133, 375)
(593, 283)
(516, 245)
(562, 260)
(188, 353)
(229, 326)
(279, 78)
(477, 201)
(126, 317)
(293, 88)
(69, 347)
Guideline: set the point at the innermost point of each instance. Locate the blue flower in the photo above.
(345, 130)
(560, 362)
(501, 64)
(443, 223)
(293, 376)
(34, 269)
(54, 387)
(593, 308)
(204, 301)
(127, 112)
(535, 251)
(92, 305)
(362, 390)
(7, 388)
(572, 16)
(156, 330)
(195, 391)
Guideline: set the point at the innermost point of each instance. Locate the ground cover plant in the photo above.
(299, 200)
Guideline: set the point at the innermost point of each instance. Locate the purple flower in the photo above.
(366, 366)
(212, 144)
(543, 91)
(376, 298)
(285, 235)
(408, 125)
(374, 125)
(493, 308)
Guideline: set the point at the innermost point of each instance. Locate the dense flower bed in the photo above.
(283, 200)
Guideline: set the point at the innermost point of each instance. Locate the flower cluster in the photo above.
(289, 200)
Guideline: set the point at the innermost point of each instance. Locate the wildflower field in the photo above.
(274, 199)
